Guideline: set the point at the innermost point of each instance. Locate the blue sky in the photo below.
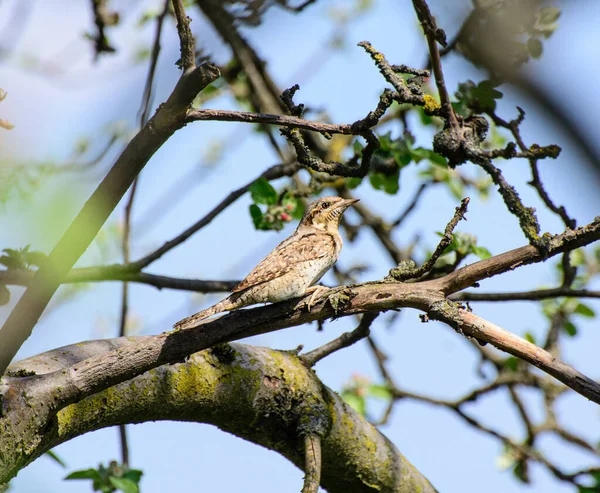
(80, 99)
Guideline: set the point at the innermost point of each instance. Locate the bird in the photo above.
(293, 268)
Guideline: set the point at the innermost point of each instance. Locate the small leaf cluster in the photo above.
(544, 25)
(280, 208)
(359, 389)
(455, 181)
(512, 459)
(587, 264)
(115, 477)
(22, 258)
(392, 156)
(510, 32)
(476, 98)
(563, 310)
(462, 244)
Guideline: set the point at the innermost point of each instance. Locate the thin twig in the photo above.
(312, 463)
(187, 42)
(272, 173)
(120, 272)
(381, 229)
(534, 295)
(433, 35)
(402, 274)
(280, 120)
(343, 341)
(148, 88)
(412, 204)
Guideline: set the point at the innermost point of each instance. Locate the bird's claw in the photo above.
(316, 292)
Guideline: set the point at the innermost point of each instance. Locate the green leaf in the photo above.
(4, 295)
(85, 474)
(124, 484)
(570, 328)
(256, 214)
(478, 97)
(456, 187)
(461, 108)
(520, 471)
(548, 15)
(36, 258)
(584, 311)
(12, 263)
(529, 337)
(481, 252)
(389, 184)
(511, 363)
(262, 192)
(379, 392)
(534, 46)
(353, 183)
(549, 308)
(293, 206)
(54, 456)
(355, 402)
(134, 475)
(546, 22)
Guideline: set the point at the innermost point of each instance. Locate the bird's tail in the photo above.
(192, 321)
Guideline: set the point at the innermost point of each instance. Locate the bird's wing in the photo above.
(288, 253)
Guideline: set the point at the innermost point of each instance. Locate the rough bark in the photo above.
(259, 394)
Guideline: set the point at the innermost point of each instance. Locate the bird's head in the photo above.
(325, 213)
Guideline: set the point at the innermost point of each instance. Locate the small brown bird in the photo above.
(296, 264)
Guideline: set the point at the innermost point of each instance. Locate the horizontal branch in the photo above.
(247, 385)
(121, 273)
(534, 295)
(269, 119)
(484, 269)
(96, 374)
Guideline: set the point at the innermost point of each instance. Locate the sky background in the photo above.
(57, 95)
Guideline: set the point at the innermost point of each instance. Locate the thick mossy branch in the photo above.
(258, 394)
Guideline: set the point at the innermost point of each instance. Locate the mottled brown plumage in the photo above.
(295, 265)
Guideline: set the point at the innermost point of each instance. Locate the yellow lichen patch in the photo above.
(90, 409)
(431, 105)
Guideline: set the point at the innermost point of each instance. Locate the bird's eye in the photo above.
(325, 205)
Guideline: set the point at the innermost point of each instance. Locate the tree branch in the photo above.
(96, 374)
(466, 322)
(266, 118)
(186, 38)
(121, 273)
(262, 395)
(272, 173)
(312, 464)
(169, 118)
(567, 241)
(534, 295)
(346, 339)
(402, 274)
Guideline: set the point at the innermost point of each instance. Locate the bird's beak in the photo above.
(348, 202)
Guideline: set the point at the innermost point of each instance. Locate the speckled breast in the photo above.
(294, 283)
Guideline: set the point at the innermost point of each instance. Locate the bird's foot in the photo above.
(316, 292)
